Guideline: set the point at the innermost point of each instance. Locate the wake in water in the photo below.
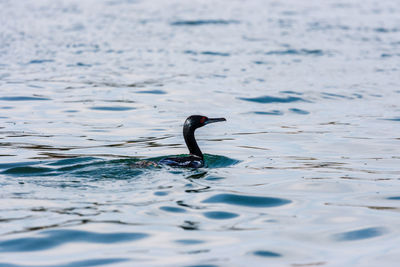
(92, 167)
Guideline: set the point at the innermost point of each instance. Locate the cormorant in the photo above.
(196, 158)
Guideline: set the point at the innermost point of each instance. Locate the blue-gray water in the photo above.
(305, 172)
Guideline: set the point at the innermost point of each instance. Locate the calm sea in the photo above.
(304, 172)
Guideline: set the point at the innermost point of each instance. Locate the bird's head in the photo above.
(196, 121)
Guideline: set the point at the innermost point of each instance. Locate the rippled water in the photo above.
(305, 172)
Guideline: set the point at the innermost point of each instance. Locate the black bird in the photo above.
(196, 158)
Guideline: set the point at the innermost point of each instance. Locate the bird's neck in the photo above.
(191, 143)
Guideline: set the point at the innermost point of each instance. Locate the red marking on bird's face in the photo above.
(203, 119)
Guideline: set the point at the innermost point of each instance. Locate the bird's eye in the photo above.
(203, 119)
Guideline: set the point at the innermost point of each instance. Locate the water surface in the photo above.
(304, 172)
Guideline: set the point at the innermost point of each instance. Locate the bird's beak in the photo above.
(214, 120)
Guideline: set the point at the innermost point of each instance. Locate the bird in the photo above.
(196, 158)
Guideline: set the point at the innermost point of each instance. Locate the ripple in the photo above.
(27, 170)
(190, 52)
(385, 30)
(249, 201)
(189, 241)
(82, 263)
(208, 53)
(213, 53)
(73, 166)
(54, 238)
(360, 234)
(190, 225)
(23, 98)
(291, 92)
(272, 112)
(393, 119)
(17, 164)
(172, 209)
(154, 92)
(70, 161)
(272, 99)
(331, 95)
(40, 61)
(203, 22)
(160, 193)
(213, 178)
(85, 167)
(112, 108)
(211, 161)
(299, 111)
(301, 52)
(80, 64)
(220, 215)
(259, 62)
(217, 161)
(114, 169)
(266, 253)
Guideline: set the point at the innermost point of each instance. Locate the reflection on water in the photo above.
(305, 168)
(360, 234)
(220, 215)
(251, 201)
(264, 253)
(271, 99)
(91, 262)
(203, 22)
(52, 238)
(22, 98)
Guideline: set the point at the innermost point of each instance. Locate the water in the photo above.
(303, 173)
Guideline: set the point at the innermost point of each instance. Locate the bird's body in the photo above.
(189, 161)
(196, 158)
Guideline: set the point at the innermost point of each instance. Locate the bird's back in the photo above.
(187, 161)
